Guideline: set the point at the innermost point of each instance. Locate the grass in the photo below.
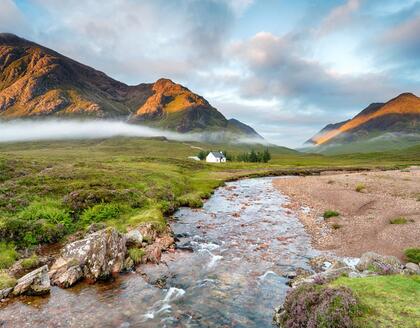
(329, 214)
(360, 187)
(388, 301)
(8, 255)
(412, 254)
(6, 281)
(30, 262)
(51, 189)
(399, 220)
(136, 254)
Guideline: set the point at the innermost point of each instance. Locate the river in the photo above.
(227, 273)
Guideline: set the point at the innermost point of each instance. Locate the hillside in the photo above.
(378, 127)
(37, 82)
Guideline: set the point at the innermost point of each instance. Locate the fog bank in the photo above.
(37, 130)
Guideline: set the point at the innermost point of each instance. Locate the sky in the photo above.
(287, 68)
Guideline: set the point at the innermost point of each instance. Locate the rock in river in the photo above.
(36, 282)
(97, 256)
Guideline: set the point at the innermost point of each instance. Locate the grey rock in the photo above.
(134, 238)
(380, 264)
(36, 282)
(5, 292)
(412, 268)
(97, 256)
(323, 277)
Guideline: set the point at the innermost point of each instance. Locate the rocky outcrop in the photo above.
(378, 263)
(97, 256)
(36, 282)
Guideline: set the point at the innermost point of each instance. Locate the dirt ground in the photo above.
(364, 221)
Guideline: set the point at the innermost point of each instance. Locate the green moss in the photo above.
(399, 220)
(412, 254)
(136, 254)
(152, 215)
(8, 255)
(30, 262)
(329, 214)
(6, 281)
(388, 301)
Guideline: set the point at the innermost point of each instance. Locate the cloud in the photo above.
(338, 17)
(403, 41)
(11, 19)
(276, 68)
(140, 41)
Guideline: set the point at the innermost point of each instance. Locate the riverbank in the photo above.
(377, 211)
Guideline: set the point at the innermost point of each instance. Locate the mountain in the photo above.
(37, 82)
(389, 123)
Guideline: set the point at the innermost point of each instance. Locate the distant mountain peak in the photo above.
(400, 114)
(38, 82)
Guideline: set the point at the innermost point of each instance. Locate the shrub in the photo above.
(30, 262)
(8, 255)
(319, 306)
(26, 233)
(412, 254)
(399, 220)
(136, 254)
(101, 212)
(360, 187)
(49, 210)
(6, 281)
(329, 214)
(80, 200)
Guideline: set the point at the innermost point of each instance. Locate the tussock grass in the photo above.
(399, 220)
(360, 187)
(412, 254)
(8, 255)
(136, 254)
(6, 281)
(329, 214)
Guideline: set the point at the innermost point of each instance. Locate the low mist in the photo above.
(37, 130)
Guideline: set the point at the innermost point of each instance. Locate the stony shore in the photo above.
(367, 204)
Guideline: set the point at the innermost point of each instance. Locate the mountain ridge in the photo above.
(38, 82)
(400, 114)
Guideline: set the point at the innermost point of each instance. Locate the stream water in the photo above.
(227, 273)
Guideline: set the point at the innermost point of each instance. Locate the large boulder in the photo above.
(36, 282)
(97, 256)
(380, 264)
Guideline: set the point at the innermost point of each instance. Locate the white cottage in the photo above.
(216, 157)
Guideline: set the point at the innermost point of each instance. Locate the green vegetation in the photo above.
(30, 262)
(387, 301)
(136, 254)
(6, 281)
(254, 157)
(360, 187)
(49, 190)
(329, 214)
(8, 255)
(412, 254)
(399, 220)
